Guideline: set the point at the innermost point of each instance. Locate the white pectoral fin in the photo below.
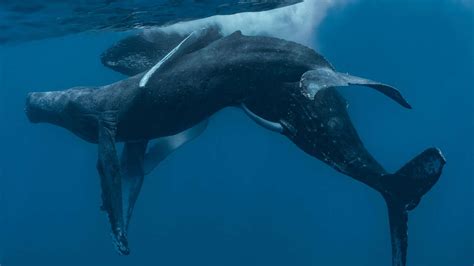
(178, 51)
(322, 78)
(273, 126)
(173, 54)
(160, 148)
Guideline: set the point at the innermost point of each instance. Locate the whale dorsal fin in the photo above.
(185, 46)
(322, 78)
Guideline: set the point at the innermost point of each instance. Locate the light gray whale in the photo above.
(283, 86)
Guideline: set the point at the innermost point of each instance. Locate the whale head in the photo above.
(55, 107)
(46, 107)
(72, 109)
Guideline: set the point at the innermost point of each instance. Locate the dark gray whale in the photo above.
(283, 86)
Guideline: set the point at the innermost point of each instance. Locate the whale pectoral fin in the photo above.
(315, 80)
(108, 166)
(132, 159)
(272, 126)
(183, 47)
(162, 147)
(388, 90)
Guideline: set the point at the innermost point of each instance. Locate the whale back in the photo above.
(237, 62)
(138, 53)
(268, 50)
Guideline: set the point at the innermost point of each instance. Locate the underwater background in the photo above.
(241, 195)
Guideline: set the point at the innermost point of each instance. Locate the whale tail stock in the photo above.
(403, 191)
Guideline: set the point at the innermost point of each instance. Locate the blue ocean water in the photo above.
(240, 195)
(39, 19)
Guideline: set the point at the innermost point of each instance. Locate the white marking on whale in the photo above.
(165, 59)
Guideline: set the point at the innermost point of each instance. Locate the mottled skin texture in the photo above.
(198, 85)
(263, 73)
(322, 128)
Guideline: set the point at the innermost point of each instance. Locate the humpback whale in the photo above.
(283, 86)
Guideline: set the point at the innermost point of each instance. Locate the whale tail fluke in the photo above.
(403, 191)
(414, 179)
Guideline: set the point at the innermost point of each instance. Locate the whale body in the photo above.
(283, 86)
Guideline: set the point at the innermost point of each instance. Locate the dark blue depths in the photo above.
(240, 195)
